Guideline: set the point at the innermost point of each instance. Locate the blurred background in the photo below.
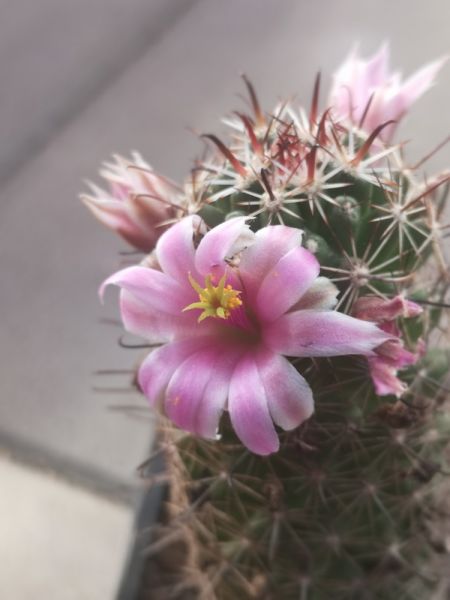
(81, 79)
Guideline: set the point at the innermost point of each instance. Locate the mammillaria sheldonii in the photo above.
(295, 290)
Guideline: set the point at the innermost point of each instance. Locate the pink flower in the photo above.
(367, 94)
(228, 305)
(391, 355)
(137, 204)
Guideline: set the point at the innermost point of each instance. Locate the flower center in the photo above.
(214, 301)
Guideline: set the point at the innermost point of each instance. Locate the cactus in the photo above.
(352, 505)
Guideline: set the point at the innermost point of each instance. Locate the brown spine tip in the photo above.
(227, 153)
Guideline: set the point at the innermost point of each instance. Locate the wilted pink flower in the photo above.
(366, 93)
(228, 306)
(137, 203)
(391, 355)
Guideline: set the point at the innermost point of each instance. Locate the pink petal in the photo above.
(391, 328)
(269, 246)
(349, 93)
(153, 288)
(221, 242)
(373, 308)
(320, 296)
(289, 396)
(115, 215)
(377, 67)
(142, 240)
(175, 249)
(120, 191)
(384, 377)
(381, 110)
(215, 396)
(420, 82)
(286, 282)
(395, 354)
(110, 212)
(198, 391)
(152, 303)
(142, 319)
(149, 213)
(160, 365)
(249, 411)
(186, 388)
(326, 333)
(411, 309)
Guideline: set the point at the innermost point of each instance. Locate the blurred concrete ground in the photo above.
(80, 80)
(64, 544)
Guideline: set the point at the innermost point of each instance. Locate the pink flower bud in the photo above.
(391, 355)
(373, 308)
(138, 203)
(367, 94)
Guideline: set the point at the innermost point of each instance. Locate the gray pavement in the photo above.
(67, 544)
(82, 79)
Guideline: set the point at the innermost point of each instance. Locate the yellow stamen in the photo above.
(214, 301)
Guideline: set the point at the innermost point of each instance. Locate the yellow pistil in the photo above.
(214, 301)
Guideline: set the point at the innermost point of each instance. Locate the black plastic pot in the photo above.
(147, 514)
